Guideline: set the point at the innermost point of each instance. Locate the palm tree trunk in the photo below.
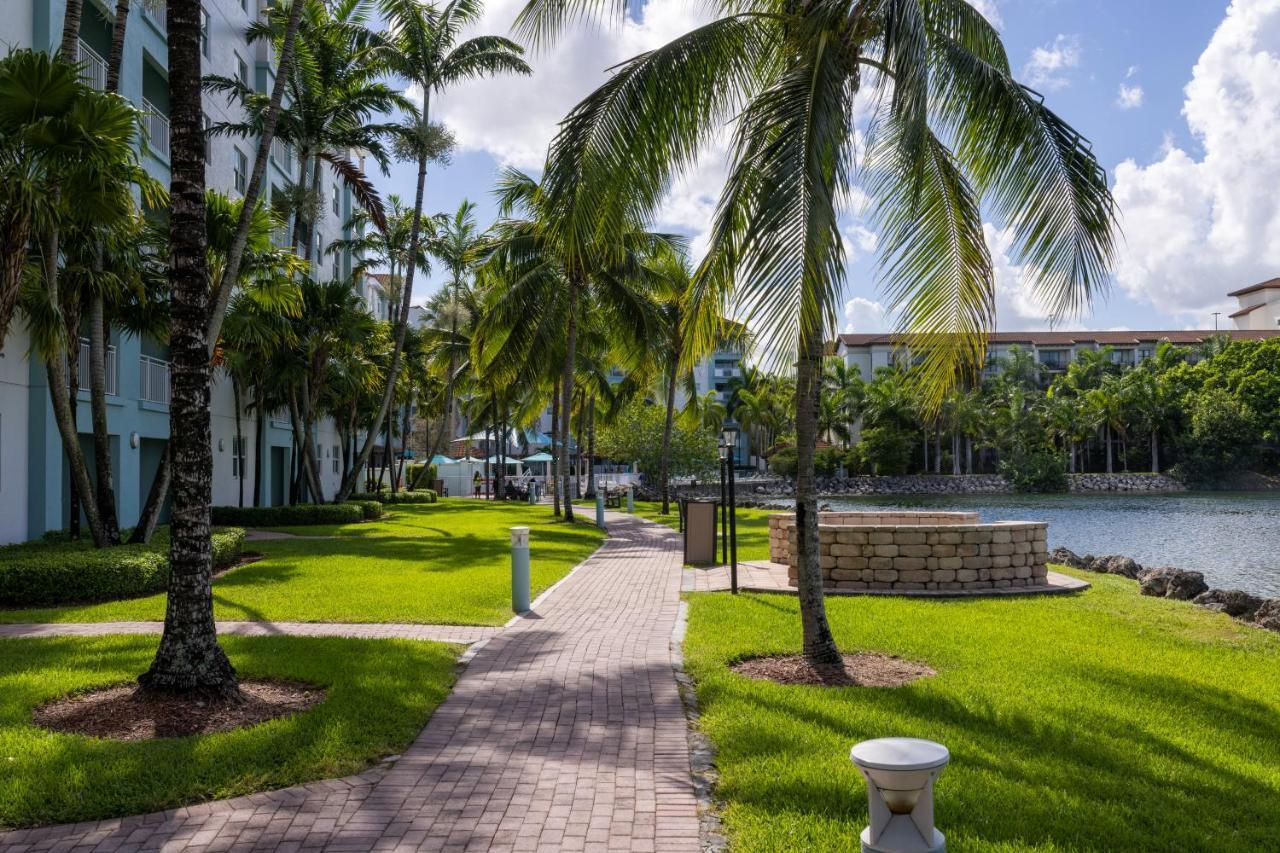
(299, 224)
(15, 233)
(555, 441)
(968, 454)
(1109, 449)
(105, 492)
(819, 644)
(71, 30)
(393, 369)
(937, 450)
(259, 444)
(955, 454)
(116, 56)
(189, 659)
(566, 397)
(239, 442)
(664, 466)
(1155, 452)
(577, 468)
(591, 448)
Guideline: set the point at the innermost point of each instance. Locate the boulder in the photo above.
(1068, 558)
(1268, 615)
(1118, 565)
(1168, 582)
(1236, 603)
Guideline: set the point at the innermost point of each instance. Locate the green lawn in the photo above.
(442, 563)
(1101, 721)
(753, 525)
(380, 694)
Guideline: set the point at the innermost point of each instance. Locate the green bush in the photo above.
(783, 462)
(56, 570)
(420, 496)
(853, 462)
(288, 516)
(1039, 471)
(372, 509)
(827, 461)
(886, 451)
(428, 479)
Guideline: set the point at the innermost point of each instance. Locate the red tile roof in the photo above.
(1070, 338)
(1269, 284)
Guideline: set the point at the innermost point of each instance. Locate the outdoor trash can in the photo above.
(700, 531)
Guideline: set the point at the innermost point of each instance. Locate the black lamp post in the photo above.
(724, 504)
(729, 432)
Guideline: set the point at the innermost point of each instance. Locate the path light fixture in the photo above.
(729, 434)
(900, 772)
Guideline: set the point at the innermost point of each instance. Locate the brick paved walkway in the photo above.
(566, 732)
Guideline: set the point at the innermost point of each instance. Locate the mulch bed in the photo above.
(122, 713)
(860, 670)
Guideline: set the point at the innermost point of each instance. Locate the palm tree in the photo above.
(189, 659)
(843, 383)
(426, 52)
(788, 74)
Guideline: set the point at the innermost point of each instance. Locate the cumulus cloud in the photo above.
(865, 315)
(989, 10)
(1049, 64)
(1200, 224)
(1129, 97)
(1017, 307)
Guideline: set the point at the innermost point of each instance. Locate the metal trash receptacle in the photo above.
(700, 530)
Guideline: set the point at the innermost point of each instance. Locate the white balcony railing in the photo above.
(154, 380)
(82, 367)
(93, 66)
(157, 124)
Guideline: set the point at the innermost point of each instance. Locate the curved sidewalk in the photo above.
(565, 732)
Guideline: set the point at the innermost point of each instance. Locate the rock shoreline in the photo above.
(1180, 585)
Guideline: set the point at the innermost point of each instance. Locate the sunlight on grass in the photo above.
(1102, 721)
(380, 695)
(443, 563)
(753, 525)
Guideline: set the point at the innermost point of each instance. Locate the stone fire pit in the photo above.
(918, 551)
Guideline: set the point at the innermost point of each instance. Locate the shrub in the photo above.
(372, 509)
(886, 451)
(428, 479)
(421, 496)
(288, 516)
(1038, 471)
(783, 462)
(827, 460)
(57, 570)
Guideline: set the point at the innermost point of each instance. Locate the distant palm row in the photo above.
(573, 274)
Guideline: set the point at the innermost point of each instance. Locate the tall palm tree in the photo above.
(427, 52)
(189, 659)
(787, 74)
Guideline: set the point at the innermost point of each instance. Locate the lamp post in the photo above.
(724, 505)
(729, 432)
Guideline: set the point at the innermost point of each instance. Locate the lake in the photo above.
(1233, 537)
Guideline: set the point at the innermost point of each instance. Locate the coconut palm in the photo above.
(428, 53)
(787, 75)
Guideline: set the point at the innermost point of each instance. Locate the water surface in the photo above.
(1230, 536)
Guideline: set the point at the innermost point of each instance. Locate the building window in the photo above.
(335, 198)
(337, 271)
(204, 33)
(239, 457)
(241, 172)
(242, 71)
(336, 454)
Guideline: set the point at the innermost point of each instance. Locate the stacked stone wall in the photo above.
(925, 554)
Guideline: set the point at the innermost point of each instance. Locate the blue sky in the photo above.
(1192, 165)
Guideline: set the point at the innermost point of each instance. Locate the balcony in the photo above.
(157, 129)
(154, 384)
(82, 366)
(93, 67)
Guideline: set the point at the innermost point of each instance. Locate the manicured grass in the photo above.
(380, 694)
(442, 563)
(753, 526)
(1101, 721)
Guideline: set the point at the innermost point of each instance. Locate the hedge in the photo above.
(421, 496)
(287, 516)
(372, 509)
(58, 570)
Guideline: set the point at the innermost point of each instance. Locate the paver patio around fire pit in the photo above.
(910, 551)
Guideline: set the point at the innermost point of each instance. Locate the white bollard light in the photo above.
(900, 773)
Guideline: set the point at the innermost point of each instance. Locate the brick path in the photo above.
(565, 732)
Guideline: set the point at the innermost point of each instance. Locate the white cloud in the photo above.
(1129, 97)
(866, 316)
(1017, 307)
(989, 10)
(515, 118)
(1197, 226)
(1049, 64)
(858, 240)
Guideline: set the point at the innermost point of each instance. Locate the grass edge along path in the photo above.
(752, 524)
(1103, 720)
(446, 563)
(380, 695)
